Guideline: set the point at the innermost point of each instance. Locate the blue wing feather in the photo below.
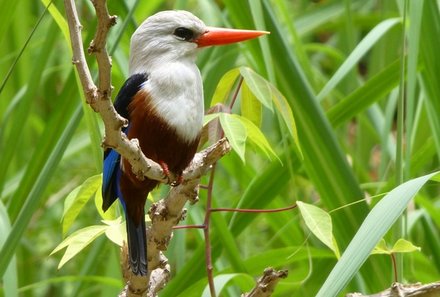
(111, 169)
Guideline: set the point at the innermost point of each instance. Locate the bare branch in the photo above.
(266, 284)
(411, 290)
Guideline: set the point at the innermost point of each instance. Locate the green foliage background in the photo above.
(339, 64)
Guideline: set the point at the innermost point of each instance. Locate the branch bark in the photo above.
(411, 290)
(267, 283)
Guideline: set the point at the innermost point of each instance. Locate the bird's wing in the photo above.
(111, 168)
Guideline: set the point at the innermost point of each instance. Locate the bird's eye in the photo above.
(184, 33)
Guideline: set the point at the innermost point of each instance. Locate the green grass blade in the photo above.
(56, 138)
(380, 219)
(361, 49)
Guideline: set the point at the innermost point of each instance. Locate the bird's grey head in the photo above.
(164, 37)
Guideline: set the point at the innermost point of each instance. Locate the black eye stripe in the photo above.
(184, 33)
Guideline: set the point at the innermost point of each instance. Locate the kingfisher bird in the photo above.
(163, 102)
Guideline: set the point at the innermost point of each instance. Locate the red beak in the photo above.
(219, 36)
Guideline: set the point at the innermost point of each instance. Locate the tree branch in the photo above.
(411, 290)
(266, 284)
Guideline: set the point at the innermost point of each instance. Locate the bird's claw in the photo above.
(167, 173)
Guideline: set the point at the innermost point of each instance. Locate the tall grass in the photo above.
(337, 63)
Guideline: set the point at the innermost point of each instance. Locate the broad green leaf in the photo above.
(235, 132)
(380, 219)
(401, 246)
(269, 95)
(286, 113)
(319, 223)
(77, 241)
(221, 281)
(224, 87)
(250, 107)
(255, 136)
(116, 231)
(381, 248)
(209, 117)
(404, 246)
(76, 200)
(260, 87)
(361, 49)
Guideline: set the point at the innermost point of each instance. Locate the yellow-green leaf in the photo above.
(381, 248)
(404, 246)
(319, 223)
(260, 87)
(235, 132)
(76, 200)
(251, 108)
(255, 136)
(77, 241)
(224, 87)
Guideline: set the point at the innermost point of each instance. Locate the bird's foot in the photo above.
(169, 176)
(178, 181)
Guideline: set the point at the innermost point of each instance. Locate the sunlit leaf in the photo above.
(260, 87)
(255, 136)
(224, 87)
(381, 248)
(116, 231)
(76, 200)
(404, 246)
(235, 132)
(250, 107)
(77, 241)
(319, 223)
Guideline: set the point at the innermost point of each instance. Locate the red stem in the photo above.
(206, 223)
(393, 261)
(254, 210)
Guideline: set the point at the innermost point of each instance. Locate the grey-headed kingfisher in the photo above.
(163, 103)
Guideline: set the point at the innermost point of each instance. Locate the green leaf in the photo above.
(116, 231)
(380, 219)
(283, 107)
(260, 87)
(404, 246)
(235, 132)
(224, 87)
(250, 107)
(77, 241)
(76, 200)
(381, 248)
(319, 223)
(269, 95)
(255, 136)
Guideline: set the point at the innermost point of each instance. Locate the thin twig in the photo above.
(254, 210)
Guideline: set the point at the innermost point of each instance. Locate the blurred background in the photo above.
(339, 65)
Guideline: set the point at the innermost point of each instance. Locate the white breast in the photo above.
(177, 95)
